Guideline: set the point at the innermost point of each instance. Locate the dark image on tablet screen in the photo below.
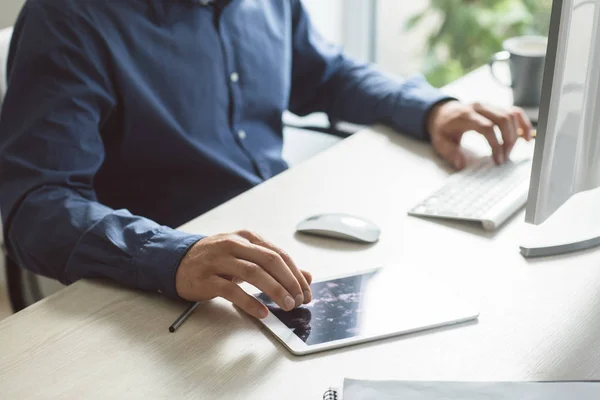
(333, 314)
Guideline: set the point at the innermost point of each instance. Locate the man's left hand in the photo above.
(448, 121)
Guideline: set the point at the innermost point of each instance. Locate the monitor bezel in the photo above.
(533, 214)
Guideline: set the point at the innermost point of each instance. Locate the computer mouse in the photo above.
(340, 226)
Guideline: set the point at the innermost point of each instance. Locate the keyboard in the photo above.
(482, 192)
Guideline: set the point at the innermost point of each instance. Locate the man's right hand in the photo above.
(215, 265)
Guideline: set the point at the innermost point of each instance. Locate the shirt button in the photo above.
(242, 134)
(234, 77)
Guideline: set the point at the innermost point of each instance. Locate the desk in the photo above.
(539, 319)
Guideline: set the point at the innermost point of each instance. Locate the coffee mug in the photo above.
(526, 56)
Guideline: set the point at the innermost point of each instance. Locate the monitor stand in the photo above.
(574, 227)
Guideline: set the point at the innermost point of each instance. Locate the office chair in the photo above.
(329, 128)
(14, 280)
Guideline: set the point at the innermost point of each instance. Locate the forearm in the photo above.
(58, 233)
(324, 79)
(364, 95)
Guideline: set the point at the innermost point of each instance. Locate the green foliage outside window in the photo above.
(471, 31)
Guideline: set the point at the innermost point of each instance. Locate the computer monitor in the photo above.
(567, 149)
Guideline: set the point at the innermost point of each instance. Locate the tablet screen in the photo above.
(370, 305)
(335, 312)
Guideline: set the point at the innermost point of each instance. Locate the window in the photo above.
(444, 39)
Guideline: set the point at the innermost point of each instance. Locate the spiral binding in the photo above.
(330, 394)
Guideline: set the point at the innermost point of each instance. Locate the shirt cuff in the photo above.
(413, 103)
(160, 257)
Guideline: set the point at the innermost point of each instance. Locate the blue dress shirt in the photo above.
(125, 119)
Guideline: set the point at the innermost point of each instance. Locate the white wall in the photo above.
(327, 16)
(9, 9)
(397, 51)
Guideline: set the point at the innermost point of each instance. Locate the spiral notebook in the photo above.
(331, 394)
(423, 390)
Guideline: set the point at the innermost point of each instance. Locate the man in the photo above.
(124, 119)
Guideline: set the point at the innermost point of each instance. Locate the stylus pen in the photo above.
(183, 316)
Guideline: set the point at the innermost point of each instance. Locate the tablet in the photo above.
(364, 307)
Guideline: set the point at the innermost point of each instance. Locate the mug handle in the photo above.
(500, 56)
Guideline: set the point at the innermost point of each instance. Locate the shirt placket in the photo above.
(235, 80)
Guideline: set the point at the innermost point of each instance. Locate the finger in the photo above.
(275, 265)
(304, 285)
(509, 145)
(236, 295)
(449, 150)
(307, 276)
(507, 127)
(484, 126)
(524, 123)
(255, 275)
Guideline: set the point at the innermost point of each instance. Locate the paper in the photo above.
(411, 390)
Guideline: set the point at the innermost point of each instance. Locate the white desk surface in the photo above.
(540, 320)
